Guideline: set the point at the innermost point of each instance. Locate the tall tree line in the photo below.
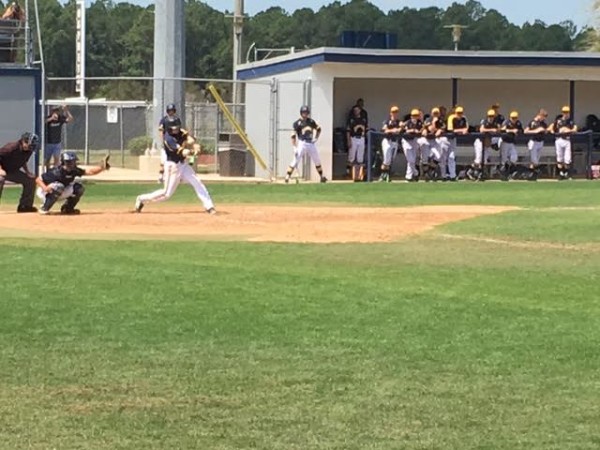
(120, 35)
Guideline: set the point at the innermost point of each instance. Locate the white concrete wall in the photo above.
(259, 113)
(525, 96)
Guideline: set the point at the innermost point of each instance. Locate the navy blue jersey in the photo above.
(305, 129)
(510, 125)
(535, 124)
(500, 120)
(357, 126)
(161, 123)
(490, 123)
(563, 123)
(173, 144)
(60, 175)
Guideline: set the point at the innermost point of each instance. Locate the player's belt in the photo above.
(357, 136)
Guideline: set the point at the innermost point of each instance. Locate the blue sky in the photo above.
(517, 11)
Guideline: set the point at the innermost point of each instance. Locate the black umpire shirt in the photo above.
(12, 157)
(59, 174)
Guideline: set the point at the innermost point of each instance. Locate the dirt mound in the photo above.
(263, 223)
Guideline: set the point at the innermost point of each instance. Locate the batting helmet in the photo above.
(305, 110)
(171, 107)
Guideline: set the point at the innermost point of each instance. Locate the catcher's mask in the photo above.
(68, 161)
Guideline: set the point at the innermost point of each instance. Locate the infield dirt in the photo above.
(260, 223)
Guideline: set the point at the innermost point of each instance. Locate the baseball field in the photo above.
(337, 316)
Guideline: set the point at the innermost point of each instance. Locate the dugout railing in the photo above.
(586, 151)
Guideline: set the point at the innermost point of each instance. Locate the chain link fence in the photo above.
(118, 117)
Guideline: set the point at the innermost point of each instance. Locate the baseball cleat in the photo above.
(211, 211)
(66, 211)
(43, 211)
(27, 209)
(323, 180)
(139, 205)
(287, 180)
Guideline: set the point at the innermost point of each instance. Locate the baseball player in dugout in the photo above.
(434, 128)
(483, 146)
(413, 129)
(563, 127)
(360, 104)
(59, 183)
(537, 130)
(14, 157)
(171, 112)
(356, 131)
(306, 133)
(178, 146)
(511, 128)
(392, 128)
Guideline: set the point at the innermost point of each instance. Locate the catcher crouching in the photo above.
(59, 183)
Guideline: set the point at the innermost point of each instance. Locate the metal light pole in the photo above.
(456, 33)
(80, 49)
(238, 29)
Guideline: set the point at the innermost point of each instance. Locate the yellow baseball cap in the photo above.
(491, 112)
(394, 109)
(415, 112)
(459, 110)
(566, 109)
(435, 111)
(514, 115)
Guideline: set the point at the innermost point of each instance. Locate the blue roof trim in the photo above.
(280, 67)
(451, 60)
(19, 71)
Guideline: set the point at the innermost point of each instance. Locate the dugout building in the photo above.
(331, 79)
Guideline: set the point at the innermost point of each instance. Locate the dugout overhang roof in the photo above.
(352, 56)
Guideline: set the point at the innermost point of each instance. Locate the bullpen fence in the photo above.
(118, 117)
(585, 149)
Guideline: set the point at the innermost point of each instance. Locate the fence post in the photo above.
(273, 113)
(121, 130)
(87, 131)
(589, 155)
(369, 155)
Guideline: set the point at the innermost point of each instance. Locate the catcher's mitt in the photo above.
(105, 164)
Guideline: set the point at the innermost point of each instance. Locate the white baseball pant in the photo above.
(508, 152)
(450, 157)
(389, 149)
(535, 151)
(563, 151)
(303, 147)
(175, 173)
(163, 157)
(424, 148)
(409, 147)
(68, 192)
(478, 146)
(356, 152)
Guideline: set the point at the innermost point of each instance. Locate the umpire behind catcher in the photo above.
(13, 167)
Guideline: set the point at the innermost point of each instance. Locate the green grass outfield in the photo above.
(481, 334)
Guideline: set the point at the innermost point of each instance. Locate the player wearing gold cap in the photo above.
(458, 124)
(433, 130)
(537, 130)
(392, 128)
(483, 146)
(508, 149)
(563, 127)
(413, 128)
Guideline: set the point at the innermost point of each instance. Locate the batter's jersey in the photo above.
(305, 129)
(161, 123)
(357, 126)
(563, 123)
(173, 145)
(510, 125)
(535, 124)
(60, 175)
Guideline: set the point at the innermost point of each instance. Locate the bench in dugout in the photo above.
(583, 148)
